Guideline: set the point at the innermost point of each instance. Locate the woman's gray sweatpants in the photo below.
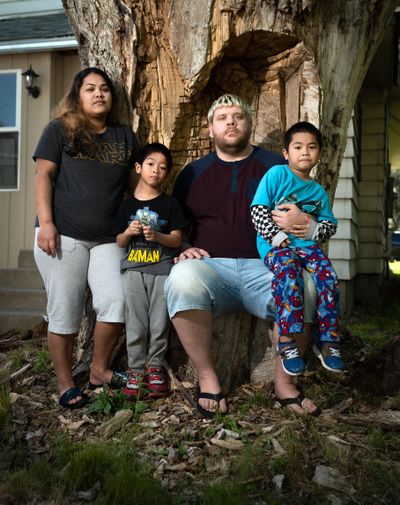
(66, 275)
(147, 321)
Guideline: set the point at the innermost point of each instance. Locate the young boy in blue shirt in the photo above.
(285, 254)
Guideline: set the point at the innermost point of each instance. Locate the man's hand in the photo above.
(192, 253)
(300, 230)
(291, 219)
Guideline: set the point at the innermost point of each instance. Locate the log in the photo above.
(388, 420)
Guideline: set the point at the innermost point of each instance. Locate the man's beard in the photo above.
(238, 146)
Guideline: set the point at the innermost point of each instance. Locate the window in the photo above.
(9, 129)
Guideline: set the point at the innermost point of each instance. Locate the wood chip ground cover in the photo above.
(265, 453)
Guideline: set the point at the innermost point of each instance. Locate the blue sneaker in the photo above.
(292, 362)
(329, 355)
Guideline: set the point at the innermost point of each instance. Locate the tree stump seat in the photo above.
(242, 350)
(241, 347)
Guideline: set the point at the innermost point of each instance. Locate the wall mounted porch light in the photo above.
(30, 76)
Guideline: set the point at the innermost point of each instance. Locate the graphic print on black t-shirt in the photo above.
(144, 251)
(162, 214)
(111, 153)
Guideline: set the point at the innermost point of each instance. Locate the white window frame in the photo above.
(17, 127)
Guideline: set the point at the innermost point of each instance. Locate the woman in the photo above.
(83, 160)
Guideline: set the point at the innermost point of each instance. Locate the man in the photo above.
(222, 271)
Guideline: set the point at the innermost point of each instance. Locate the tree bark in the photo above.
(291, 60)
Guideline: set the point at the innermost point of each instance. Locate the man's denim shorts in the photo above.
(222, 285)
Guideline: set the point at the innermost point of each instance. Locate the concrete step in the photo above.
(14, 278)
(26, 259)
(23, 299)
(14, 319)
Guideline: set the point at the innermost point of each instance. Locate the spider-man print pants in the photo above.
(287, 288)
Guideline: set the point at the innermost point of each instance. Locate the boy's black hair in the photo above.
(302, 126)
(155, 147)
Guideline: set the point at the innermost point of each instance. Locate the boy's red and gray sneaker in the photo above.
(134, 385)
(292, 362)
(329, 356)
(157, 384)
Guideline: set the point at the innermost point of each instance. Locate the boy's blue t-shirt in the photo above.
(280, 185)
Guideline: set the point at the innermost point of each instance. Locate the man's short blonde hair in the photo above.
(229, 101)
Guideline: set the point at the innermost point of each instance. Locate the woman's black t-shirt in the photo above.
(91, 181)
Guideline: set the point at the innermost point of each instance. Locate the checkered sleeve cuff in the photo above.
(324, 231)
(263, 222)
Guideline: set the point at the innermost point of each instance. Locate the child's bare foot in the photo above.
(290, 397)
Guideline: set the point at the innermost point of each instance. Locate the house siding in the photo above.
(17, 208)
(372, 257)
(343, 247)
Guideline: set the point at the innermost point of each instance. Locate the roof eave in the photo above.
(34, 46)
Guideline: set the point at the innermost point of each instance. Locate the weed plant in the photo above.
(108, 402)
(228, 422)
(43, 365)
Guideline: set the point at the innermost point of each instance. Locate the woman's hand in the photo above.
(48, 238)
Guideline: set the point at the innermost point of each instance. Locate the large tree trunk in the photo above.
(290, 59)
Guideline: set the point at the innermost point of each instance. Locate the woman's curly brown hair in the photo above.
(77, 127)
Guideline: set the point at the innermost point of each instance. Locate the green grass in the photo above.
(122, 477)
(232, 494)
(376, 324)
(377, 481)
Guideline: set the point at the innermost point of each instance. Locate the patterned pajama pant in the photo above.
(287, 288)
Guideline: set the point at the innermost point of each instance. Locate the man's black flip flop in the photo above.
(217, 397)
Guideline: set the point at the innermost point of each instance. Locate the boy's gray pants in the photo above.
(147, 321)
